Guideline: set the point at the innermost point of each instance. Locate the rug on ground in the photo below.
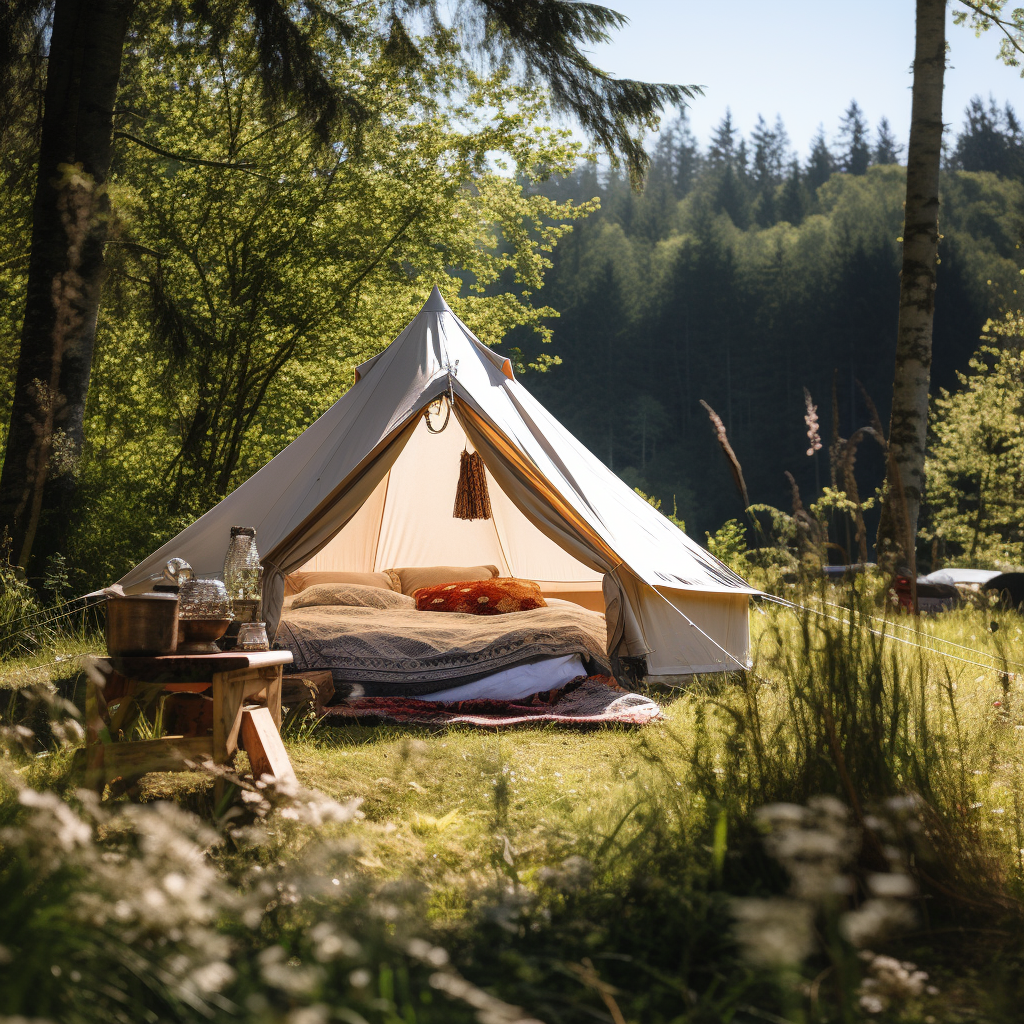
(584, 703)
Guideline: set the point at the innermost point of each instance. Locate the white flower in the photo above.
(774, 932)
(874, 919)
(212, 977)
(315, 1014)
(893, 885)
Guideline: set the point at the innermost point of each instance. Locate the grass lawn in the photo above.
(445, 809)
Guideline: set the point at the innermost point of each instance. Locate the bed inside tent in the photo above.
(408, 521)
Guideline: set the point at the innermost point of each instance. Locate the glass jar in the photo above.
(252, 636)
(242, 567)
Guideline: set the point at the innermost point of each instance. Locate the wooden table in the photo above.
(199, 696)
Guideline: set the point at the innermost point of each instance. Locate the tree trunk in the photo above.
(908, 425)
(69, 231)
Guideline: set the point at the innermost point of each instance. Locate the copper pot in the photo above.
(141, 625)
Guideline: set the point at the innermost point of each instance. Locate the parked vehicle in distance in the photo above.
(962, 577)
(931, 596)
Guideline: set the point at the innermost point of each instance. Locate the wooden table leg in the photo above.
(227, 714)
(274, 696)
(95, 725)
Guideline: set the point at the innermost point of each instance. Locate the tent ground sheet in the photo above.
(589, 703)
(408, 653)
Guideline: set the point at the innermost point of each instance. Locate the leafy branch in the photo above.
(185, 158)
(986, 13)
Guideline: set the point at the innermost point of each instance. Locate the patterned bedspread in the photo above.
(406, 652)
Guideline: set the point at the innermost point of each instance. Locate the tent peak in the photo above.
(436, 303)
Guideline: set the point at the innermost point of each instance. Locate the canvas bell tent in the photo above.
(371, 485)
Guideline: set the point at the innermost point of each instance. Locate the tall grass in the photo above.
(847, 703)
(42, 643)
(129, 912)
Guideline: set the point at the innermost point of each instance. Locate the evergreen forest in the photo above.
(742, 275)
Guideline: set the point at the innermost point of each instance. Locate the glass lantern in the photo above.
(242, 573)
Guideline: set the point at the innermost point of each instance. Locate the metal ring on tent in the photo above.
(447, 415)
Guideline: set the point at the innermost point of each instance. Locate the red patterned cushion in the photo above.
(481, 597)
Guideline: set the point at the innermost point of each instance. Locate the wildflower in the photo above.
(329, 943)
(891, 981)
(774, 932)
(875, 918)
(433, 955)
(814, 843)
(318, 1013)
(892, 885)
(811, 419)
(213, 977)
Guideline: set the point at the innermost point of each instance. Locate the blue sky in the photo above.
(803, 59)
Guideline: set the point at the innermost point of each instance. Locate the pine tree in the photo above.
(688, 160)
(770, 152)
(990, 140)
(722, 151)
(742, 161)
(887, 149)
(794, 201)
(769, 161)
(855, 154)
(820, 164)
(731, 196)
(677, 157)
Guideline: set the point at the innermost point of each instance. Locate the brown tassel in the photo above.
(471, 498)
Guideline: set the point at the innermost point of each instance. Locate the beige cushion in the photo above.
(432, 575)
(296, 582)
(351, 595)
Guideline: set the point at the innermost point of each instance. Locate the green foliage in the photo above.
(834, 500)
(975, 492)
(120, 912)
(729, 544)
(18, 607)
(560, 868)
(983, 15)
(656, 503)
(242, 294)
(21, 83)
(56, 579)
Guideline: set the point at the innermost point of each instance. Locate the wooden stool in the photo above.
(206, 694)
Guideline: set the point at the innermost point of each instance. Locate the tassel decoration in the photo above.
(471, 498)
